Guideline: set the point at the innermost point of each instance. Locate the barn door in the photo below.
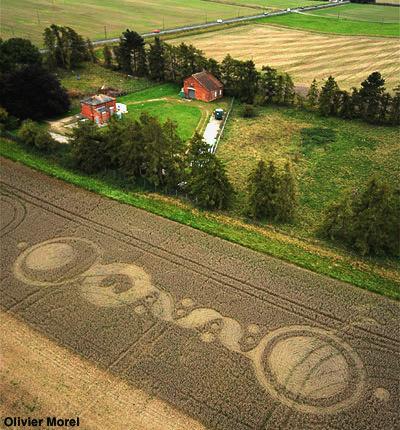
(192, 93)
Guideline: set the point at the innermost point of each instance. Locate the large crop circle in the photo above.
(56, 261)
(309, 369)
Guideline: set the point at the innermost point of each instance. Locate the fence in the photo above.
(221, 131)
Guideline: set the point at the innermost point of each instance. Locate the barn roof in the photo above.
(97, 100)
(208, 81)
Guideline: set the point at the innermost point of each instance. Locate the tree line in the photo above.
(147, 150)
(163, 62)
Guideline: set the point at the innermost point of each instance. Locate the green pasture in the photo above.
(362, 12)
(333, 25)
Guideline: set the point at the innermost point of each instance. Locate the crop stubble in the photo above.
(231, 337)
(305, 55)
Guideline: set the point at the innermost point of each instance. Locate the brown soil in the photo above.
(150, 309)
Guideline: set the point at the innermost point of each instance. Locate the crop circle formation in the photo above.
(309, 369)
(56, 261)
(12, 214)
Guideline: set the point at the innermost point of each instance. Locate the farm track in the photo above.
(188, 317)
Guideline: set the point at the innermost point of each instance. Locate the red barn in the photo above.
(98, 108)
(203, 86)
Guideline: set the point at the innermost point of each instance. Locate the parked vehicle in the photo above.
(156, 31)
(219, 21)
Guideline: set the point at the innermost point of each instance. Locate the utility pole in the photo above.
(163, 23)
(105, 32)
(38, 18)
(206, 17)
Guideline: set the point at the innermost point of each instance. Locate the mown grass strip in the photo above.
(335, 26)
(207, 223)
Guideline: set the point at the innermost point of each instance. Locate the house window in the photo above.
(215, 94)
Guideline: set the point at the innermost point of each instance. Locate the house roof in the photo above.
(207, 80)
(97, 100)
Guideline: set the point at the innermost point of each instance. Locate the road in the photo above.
(224, 22)
(229, 337)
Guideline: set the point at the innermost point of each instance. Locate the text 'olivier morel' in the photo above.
(39, 422)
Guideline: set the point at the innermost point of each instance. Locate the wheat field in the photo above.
(305, 55)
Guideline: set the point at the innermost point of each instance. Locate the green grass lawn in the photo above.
(325, 171)
(362, 12)
(187, 117)
(96, 19)
(336, 26)
(186, 114)
(365, 274)
(155, 92)
(89, 78)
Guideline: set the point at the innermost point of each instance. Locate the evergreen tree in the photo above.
(371, 93)
(228, 74)
(88, 148)
(287, 195)
(208, 183)
(248, 81)
(173, 163)
(394, 109)
(386, 102)
(280, 90)
(268, 85)
(197, 152)
(337, 221)
(376, 215)
(327, 101)
(271, 189)
(367, 221)
(65, 47)
(256, 191)
(108, 59)
(90, 51)
(163, 152)
(50, 43)
(156, 58)
(213, 67)
(313, 94)
(130, 53)
(289, 92)
(346, 107)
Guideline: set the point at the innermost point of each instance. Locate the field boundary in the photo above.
(326, 262)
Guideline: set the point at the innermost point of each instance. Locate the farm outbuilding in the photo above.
(203, 86)
(99, 108)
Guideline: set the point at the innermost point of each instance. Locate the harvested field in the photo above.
(232, 338)
(101, 19)
(30, 362)
(305, 55)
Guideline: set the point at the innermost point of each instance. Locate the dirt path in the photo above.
(232, 338)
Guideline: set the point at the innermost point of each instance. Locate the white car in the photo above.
(219, 21)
